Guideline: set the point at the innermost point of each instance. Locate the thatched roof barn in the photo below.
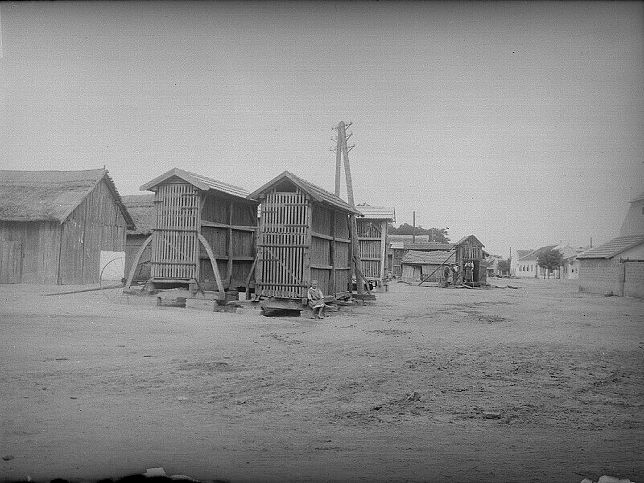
(61, 227)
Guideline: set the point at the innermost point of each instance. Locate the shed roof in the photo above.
(377, 212)
(143, 212)
(202, 182)
(51, 195)
(428, 246)
(413, 257)
(613, 247)
(318, 194)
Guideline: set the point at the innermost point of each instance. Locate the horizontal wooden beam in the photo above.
(223, 257)
(328, 237)
(291, 245)
(214, 224)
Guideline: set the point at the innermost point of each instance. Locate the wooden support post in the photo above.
(229, 275)
(135, 262)
(250, 275)
(383, 249)
(213, 262)
(332, 254)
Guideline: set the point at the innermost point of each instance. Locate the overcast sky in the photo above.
(520, 123)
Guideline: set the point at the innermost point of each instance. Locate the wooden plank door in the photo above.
(10, 262)
(175, 243)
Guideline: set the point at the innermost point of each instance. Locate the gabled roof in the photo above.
(466, 238)
(428, 246)
(377, 212)
(318, 194)
(523, 253)
(202, 182)
(613, 247)
(51, 195)
(639, 197)
(534, 254)
(414, 257)
(143, 212)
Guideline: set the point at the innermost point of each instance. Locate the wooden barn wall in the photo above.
(372, 250)
(330, 249)
(229, 227)
(174, 243)
(132, 245)
(96, 224)
(284, 241)
(29, 252)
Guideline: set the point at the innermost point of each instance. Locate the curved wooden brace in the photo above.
(213, 262)
(135, 263)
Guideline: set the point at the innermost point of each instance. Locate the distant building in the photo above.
(515, 264)
(401, 244)
(616, 267)
(470, 260)
(427, 266)
(634, 221)
(527, 264)
(61, 227)
(372, 239)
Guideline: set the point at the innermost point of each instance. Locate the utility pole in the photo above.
(413, 231)
(342, 152)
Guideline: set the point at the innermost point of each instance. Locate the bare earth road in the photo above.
(536, 384)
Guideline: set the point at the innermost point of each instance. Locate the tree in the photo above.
(435, 234)
(504, 266)
(550, 259)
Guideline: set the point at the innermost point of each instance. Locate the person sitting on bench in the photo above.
(316, 300)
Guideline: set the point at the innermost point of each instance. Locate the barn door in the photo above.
(175, 246)
(283, 245)
(10, 261)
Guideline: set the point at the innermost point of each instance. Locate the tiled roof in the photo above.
(143, 212)
(534, 254)
(377, 212)
(50, 195)
(318, 194)
(613, 247)
(202, 182)
(523, 253)
(413, 257)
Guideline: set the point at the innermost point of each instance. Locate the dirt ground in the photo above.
(541, 383)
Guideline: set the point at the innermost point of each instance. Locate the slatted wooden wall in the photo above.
(175, 248)
(284, 245)
(372, 242)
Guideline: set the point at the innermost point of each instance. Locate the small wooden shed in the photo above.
(304, 235)
(143, 212)
(427, 266)
(61, 227)
(469, 254)
(372, 237)
(204, 231)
